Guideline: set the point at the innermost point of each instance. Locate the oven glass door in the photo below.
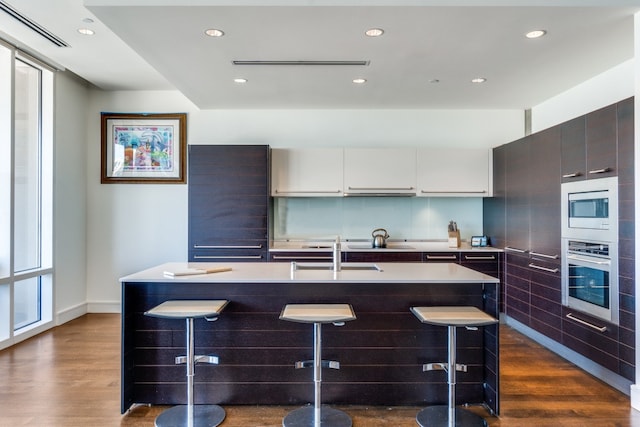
(589, 282)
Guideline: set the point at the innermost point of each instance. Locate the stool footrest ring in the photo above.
(324, 363)
(212, 360)
(442, 367)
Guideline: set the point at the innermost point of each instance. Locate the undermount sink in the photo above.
(359, 266)
(316, 247)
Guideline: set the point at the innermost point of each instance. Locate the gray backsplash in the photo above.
(354, 218)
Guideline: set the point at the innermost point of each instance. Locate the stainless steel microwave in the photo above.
(590, 209)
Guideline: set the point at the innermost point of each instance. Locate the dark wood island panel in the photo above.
(381, 353)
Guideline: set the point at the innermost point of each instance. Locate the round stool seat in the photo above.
(317, 313)
(453, 316)
(182, 309)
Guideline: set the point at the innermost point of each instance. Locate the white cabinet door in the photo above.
(380, 171)
(451, 172)
(303, 172)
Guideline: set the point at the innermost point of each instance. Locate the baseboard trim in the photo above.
(71, 313)
(614, 380)
(103, 307)
(635, 397)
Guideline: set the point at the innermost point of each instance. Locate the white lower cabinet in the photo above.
(454, 172)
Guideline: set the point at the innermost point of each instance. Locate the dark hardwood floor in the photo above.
(70, 376)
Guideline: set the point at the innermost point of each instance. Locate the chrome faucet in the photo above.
(337, 255)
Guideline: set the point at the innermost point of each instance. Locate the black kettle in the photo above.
(380, 237)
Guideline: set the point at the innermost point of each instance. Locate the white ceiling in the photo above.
(161, 44)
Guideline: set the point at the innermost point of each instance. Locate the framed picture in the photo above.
(143, 148)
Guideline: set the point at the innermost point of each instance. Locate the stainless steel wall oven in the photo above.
(590, 278)
(590, 247)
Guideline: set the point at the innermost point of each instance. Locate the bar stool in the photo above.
(317, 314)
(452, 317)
(190, 415)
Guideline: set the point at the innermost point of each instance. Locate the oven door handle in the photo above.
(577, 258)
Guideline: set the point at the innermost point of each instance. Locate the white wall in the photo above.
(70, 207)
(605, 89)
(132, 226)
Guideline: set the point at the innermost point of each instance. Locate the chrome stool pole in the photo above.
(452, 318)
(190, 415)
(317, 415)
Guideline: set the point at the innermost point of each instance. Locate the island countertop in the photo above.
(242, 272)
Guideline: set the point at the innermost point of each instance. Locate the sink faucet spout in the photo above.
(337, 255)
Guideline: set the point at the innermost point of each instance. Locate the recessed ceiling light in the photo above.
(434, 81)
(359, 81)
(374, 32)
(213, 32)
(240, 80)
(86, 31)
(535, 34)
(478, 80)
(87, 20)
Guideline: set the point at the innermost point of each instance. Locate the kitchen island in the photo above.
(381, 352)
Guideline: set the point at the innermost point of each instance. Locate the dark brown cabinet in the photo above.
(589, 145)
(228, 203)
(601, 143)
(372, 256)
(574, 151)
(524, 217)
(301, 256)
(516, 194)
(441, 257)
(484, 262)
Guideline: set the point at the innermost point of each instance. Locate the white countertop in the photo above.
(365, 246)
(276, 272)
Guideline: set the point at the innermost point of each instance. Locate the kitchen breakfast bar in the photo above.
(381, 353)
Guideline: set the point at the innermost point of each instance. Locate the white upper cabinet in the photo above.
(454, 172)
(382, 171)
(306, 172)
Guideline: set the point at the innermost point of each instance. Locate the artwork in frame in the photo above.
(143, 148)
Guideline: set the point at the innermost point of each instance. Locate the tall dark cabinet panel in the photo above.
(574, 151)
(517, 283)
(228, 203)
(544, 233)
(601, 138)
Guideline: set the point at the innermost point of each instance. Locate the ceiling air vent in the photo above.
(31, 24)
(359, 63)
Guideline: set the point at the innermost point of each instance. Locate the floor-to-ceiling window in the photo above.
(26, 149)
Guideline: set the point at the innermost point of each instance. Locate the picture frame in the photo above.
(140, 148)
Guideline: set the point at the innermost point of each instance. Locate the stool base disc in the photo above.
(304, 417)
(438, 416)
(203, 416)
